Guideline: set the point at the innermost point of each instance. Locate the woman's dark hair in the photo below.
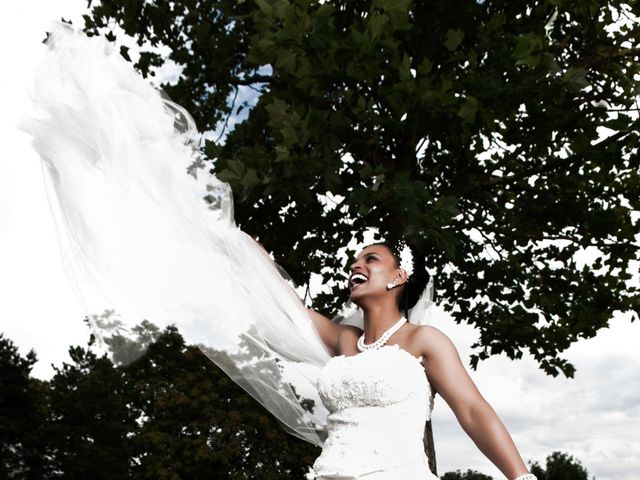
(417, 281)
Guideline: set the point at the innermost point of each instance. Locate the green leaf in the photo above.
(282, 153)
(376, 25)
(286, 60)
(468, 109)
(266, 44)
(454, 39)
(425, 67)
(228, 176)
(265, 7)
(277, 110)
(237, 167)
(577, 76)
(528, 49)
(289, 135)
(250, 179)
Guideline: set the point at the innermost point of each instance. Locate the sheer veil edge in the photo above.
(138, 240)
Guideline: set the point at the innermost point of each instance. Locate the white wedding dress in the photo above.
(137, 238)
(378, 401)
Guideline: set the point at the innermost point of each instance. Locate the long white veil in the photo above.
(138, 238)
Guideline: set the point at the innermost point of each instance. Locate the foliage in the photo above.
(560, 466)
(200, 424)
(172, 414)
(468, 475)
(91, 419)
(500, 136)
(23, 410)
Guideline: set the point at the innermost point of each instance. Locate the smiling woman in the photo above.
(138, 239)
(378, 399)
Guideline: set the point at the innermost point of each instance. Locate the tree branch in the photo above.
(546, 167)
(602, 57)
(252, 80)
(226, 120)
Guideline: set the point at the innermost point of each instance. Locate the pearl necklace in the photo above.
(383, 338)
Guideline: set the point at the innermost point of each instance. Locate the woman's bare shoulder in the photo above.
(429, 340)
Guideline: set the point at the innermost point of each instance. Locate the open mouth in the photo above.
(357, 279)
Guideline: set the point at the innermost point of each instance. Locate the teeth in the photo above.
(358, 278)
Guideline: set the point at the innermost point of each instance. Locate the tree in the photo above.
(468, 475)
(196, 423)
(501, 136)
(91, 419)
(474, 129)
(560, 466)
(23, 413)
(169, 414)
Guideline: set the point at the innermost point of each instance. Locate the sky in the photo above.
(594, 417)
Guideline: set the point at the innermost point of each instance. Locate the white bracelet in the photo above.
(526, 476)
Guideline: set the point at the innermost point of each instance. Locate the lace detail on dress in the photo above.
(378, 401)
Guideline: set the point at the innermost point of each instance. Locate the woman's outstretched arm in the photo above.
(449, 378)
(328, 331)
(337, 338)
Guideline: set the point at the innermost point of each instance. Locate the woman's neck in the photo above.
(378, 319)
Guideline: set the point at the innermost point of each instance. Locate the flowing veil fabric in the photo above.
(136, 236)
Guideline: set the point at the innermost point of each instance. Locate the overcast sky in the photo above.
(595, 417)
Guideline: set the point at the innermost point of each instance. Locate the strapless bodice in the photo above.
(378, 403)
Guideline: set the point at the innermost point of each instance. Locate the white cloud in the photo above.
(594, 417)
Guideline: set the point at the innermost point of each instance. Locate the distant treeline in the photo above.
(558, 466)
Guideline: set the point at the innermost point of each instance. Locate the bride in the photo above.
(375, 384)
(135, 236)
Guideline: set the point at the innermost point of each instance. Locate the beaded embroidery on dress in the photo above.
(378, 404)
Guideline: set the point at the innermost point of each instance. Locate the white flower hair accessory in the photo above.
(406, 257)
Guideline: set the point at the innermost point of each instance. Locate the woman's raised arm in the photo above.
(337, 338)
(329, 332)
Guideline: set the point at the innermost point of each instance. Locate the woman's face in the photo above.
(371, 271)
